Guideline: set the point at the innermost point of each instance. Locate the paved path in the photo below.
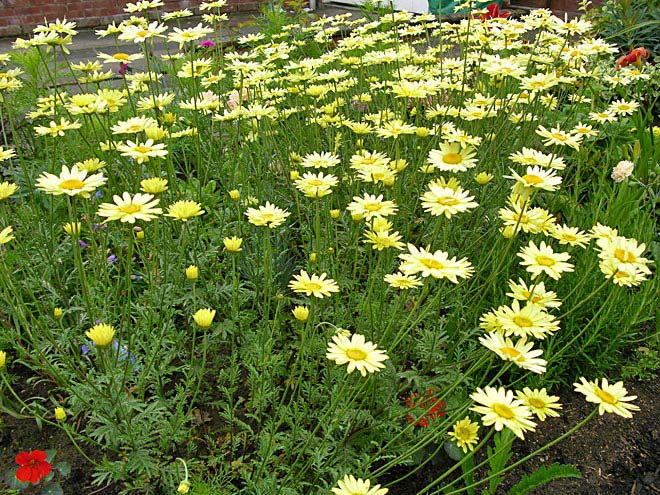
(86, 44)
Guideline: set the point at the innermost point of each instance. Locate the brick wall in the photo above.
(19, 17)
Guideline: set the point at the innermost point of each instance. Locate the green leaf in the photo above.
(498, 456)
(543, 475)
(63, 467)
(50, 455)
(52, 489)
(453, 451)
(13, 482)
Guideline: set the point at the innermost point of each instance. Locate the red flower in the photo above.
(634, 57)
(34, 466)
(493, 12)
(434, 407)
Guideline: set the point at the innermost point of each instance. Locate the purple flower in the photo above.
(207, 44)
(112, 258)
(123, 68)
(83, 243)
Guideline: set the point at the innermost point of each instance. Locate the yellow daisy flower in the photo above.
(464, 433)
(401, 281)
(352, 486)
(369, 206)
(317, 286)
(316, 185)
(142, 152)
(184, 210)
(439, 200)
(520, 352)
(610, 398)
(359, 354)
(436, 264)
(531, 320)
(101, 334)
(453, 157)
(498, 407)
(267, 216)
(153, 185)
(7, 189)
(539, 402)
(72, 182)
(127, 208)
(569, 235)
(320, 160)
(543, 259)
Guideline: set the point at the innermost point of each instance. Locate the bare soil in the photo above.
(616, 456)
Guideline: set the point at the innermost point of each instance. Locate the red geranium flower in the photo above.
(34, 466)
(434, 407)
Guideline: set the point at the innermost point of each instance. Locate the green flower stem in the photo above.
(517, 463)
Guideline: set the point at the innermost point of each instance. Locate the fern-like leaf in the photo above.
(543, 475)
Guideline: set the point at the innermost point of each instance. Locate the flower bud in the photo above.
(57, 313)
(508, 232)
(483, 178)
(60, 414)
(192, 273)
(334, 214)
(235, 194)
(72, 228)
(232, 244)
(204, 317)
(184, 487)
(301, 313)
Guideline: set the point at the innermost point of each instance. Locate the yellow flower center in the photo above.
(605, 396)
(432, 263)
(72, 184)
(522, 321)
(316, 182)
(356, 354)
(570, 237)
(142, 33)
(452, 158)
(538, 403)
(545, 260)
(121, 56)
(625, 256)
(538, 84)
(461, 433)
(142, 149)
(447, 201)
(510, 351)
(621, 274)
(312, 286)
(372, 206)
(532, 179)
(558, 136)
(130, 208)
(134, 128)
(503, 411)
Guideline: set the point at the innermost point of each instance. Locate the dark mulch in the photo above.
(616, 456)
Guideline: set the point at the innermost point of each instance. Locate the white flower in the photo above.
(622, 170)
